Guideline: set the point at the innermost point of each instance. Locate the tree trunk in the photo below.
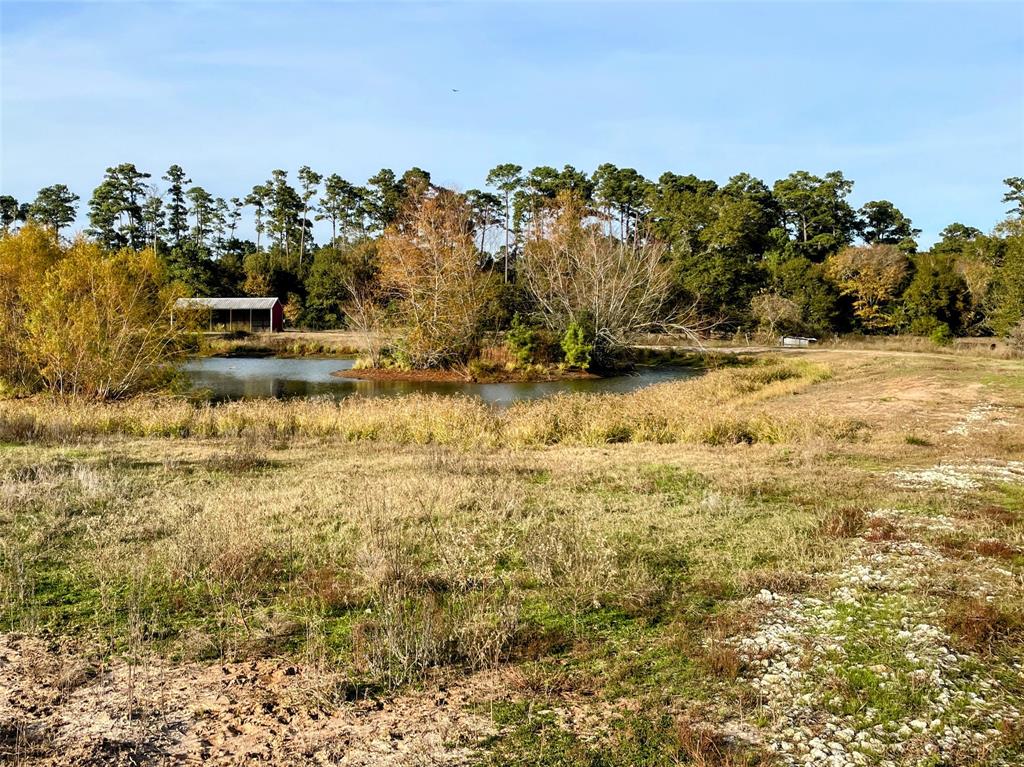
(508, 234)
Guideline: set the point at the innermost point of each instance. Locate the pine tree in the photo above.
(177, 209)
(115, 209)
(309, 180)
(201, 209)
(153, 217)
(55, 206)
(259, 199)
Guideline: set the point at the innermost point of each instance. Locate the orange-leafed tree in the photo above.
(430, 265)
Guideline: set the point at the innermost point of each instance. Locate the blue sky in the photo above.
(922, 104)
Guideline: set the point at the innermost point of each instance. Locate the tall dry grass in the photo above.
(717, 408)
(992, 348)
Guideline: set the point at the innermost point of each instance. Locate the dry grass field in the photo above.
(808, 559)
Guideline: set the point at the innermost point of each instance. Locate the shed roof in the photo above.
(229, 303)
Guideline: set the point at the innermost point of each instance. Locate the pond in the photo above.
(230, 378)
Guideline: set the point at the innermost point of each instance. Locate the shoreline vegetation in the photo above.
(647, 349)
(494, 364)
(719, 407)
(290, 344)
(468, 374)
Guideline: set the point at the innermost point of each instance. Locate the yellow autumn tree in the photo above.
(98, 324)
(25, 258)
(873, 277)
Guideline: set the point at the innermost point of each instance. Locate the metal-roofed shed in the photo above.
(252, 314)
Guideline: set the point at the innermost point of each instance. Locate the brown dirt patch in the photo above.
(58, 708)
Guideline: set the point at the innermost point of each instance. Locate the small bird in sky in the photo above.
(455, 90)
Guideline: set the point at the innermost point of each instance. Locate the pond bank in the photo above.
(466, 375)
(289, 344)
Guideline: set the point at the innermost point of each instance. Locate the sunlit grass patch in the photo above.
(533, 732)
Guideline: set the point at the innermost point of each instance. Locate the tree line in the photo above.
(552, 248)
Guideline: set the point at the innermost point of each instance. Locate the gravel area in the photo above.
(865, 674)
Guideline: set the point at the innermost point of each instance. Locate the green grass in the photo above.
(871, 629)
(532, 735)
(225, 549)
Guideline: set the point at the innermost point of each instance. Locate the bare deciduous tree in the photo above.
(613, 288)
(773, 311)
(365, 316)
(1015, 337)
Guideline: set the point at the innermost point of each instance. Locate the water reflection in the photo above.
(230, 378)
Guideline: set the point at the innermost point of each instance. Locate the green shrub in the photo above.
(576, 347)
(521, 340)
(939, 332)
(942, 335)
